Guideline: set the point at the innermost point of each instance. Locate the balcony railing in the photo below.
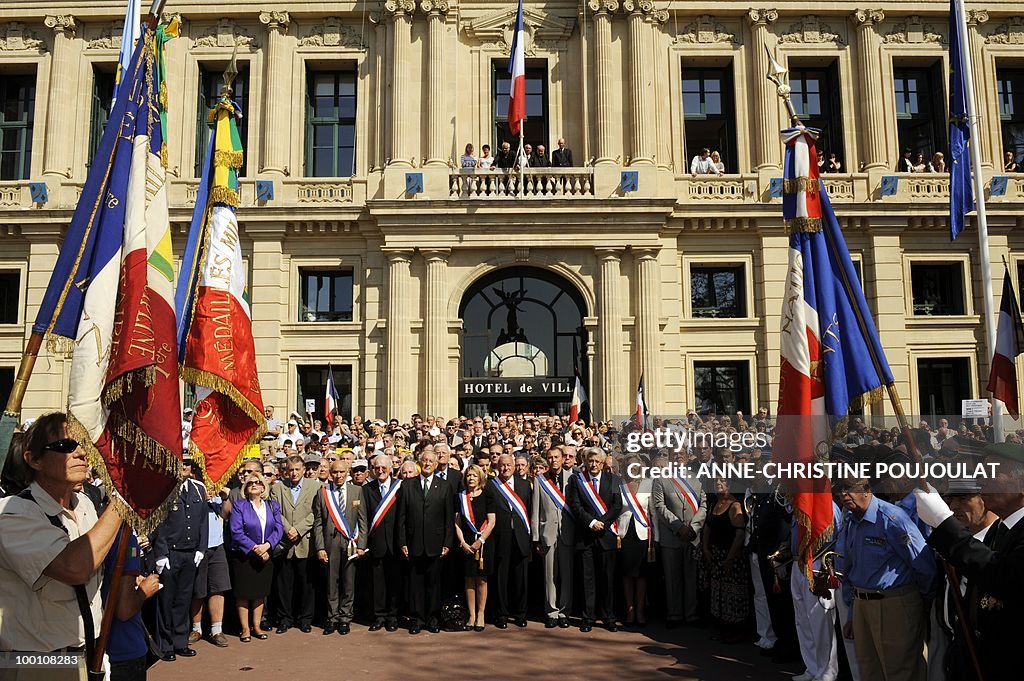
(549, 183)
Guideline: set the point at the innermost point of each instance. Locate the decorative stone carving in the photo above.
(61, 23)
(400, 6)
(542, 30)
(439, 6)
(763, 16)
(810, 30)
(275, 20)
(645, 7)
(14, 37)
(706, 30)
(332, 33)
(868, 17)
(1010, 33)
(109, 37)
(976, 16)
(226, 34)
(914, 31)
(610, 6)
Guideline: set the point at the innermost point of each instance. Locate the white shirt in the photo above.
(261, 513)
(486, 161)
(1013, 518)
(700, 166)
(425, 482)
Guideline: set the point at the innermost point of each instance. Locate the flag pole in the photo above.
(777, 74)
(979, 200)
(522, 161)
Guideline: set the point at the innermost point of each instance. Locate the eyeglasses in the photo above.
(63, 446)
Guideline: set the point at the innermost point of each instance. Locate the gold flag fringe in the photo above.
(792, 185)
(205, 379)
(225, 195)
(128, 382)
(809, 225)
(221, 106)
(228, 159)
(804, 544)
(60, 345)
(163, 155)
(163, 95)
(214, 486)
(858, 403)
(142, 526)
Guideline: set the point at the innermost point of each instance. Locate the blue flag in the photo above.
(961, 193)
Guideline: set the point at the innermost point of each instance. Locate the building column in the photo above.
(270, 308)
(401, 385)
(988, 109)
(438, 124)
(869, 61)
(766, 99)
(641, 101)
(435, 330)
(609, 334)
(647, 324)
(401, 129)
(605, 142)
(276, 118)
(60, 112)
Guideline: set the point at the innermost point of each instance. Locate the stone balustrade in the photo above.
(549, 183)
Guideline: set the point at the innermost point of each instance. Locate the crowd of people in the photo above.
(507, 159)
(457, 524)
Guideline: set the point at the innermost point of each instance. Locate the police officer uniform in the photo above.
(178, 545)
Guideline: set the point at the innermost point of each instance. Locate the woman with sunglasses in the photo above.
(256, 528)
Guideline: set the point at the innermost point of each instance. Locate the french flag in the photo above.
(1002, 379)
(578, 398)
(642, 413)
(330, 398)
(517, 69)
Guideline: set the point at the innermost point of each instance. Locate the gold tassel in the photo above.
(60, 346)
(808, 225)
(793, 185)
(225, 195)
(228, 159)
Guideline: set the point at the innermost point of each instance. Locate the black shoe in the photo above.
(185, 652)
(391, 625)
(586, 625)
(414, 629)
(611, 626)
(329, 629)
(563, 622)
(478, 627)
(520, 622)
(433, 628)
(501, 623)
(283, 629)
(344, 628)
(306, 628)
(377, 625)
(550, 623)
(168, 657)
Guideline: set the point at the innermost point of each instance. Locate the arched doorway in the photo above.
(523, 343)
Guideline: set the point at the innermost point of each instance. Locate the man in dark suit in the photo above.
(562, 156)
(381, 495)
(337, 547)
(452, 476)
(178, 545)
(554, 536)
(426, 531)
(995, 572)
(512, 500)
(596, 541)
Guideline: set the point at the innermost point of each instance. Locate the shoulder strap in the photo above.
(80, 593)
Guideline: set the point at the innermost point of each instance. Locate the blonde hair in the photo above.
(256, 476)
(481, 477)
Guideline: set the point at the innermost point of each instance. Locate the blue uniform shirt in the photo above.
(909, 506)
(883, 550)
(127, 639)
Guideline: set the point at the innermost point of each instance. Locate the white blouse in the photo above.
(261, 513)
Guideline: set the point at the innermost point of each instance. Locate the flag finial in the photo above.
(230, 73)
(780, 76)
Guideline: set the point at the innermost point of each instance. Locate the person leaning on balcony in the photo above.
(486, 161)
(505, 158)
(562, 156)
(468, 160)
(905, 164)
(919, 163)
(701, 163)
(540, 158)
(938, 163)
(1009, 164)
(716, 163)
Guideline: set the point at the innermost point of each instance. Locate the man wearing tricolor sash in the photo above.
(339, 538)
(512, 500)
(553, 531)
(381, 497)
(680, 508)
(596, 503)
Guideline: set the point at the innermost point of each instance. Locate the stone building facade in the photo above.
(377, 254)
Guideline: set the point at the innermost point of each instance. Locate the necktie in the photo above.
(441, 475)
(426, 486)
(341, 498)
(558, 481)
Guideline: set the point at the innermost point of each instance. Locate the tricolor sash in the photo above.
(386, 502)
(467, 514)
(634, 506)
(688, 493)
(555, 494)
(514, 502)
(596, 502)
(337, 514)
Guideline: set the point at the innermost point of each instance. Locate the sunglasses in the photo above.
(63, 446)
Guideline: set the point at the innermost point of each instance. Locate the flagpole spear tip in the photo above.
(230, 73)
(780, 76)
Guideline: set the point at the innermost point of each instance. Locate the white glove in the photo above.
(930, 507)
(162, 564)
(198, 558)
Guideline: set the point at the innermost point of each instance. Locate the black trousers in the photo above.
(510, 570)
(598, 576)
(780, 606)
(174, 601)
(386, 575)
(294, 592)
(425, 588)
(129, 670)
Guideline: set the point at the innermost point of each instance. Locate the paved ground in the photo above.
(654, 653)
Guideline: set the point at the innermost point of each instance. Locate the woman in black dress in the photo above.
(727, 565)
(634, 529)
(474, 522)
